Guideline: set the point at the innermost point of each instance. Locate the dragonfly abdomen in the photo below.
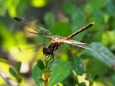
(80, 30)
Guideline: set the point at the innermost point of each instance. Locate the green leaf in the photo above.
(110, 9)
(93, 5)
(18, 66)
(12, 72)
(102, 53)
(19, 79)
(97, 14)
(11, 4)
(78, 65)
(3, 7)
(22, 6)
(69, 8)
(40, 64)
(112, 79)
(61, 28)
(49, 19)
(78, 21)
(77, 18)
(94, 70)
(37, 75)
(16, 75)
(60, 70)
(98, 4)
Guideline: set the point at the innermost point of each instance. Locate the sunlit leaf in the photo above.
(82, 80)
(8, 40)
(108, 38)
(12, 7)
(60, 70)
(38, 3)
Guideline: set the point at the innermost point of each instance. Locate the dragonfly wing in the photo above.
(33, 28)
(43, 31)
(78, 44)
(55, 36)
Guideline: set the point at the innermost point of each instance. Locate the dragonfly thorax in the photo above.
(51, 48)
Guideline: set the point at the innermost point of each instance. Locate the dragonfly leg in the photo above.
(51, 58)
(46, 57)
(47, 60)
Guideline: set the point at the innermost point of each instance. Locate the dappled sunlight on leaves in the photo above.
(98, 84)
(38, 3)
(82, 79)
(21, 54)
(108, 38)
(11, 4)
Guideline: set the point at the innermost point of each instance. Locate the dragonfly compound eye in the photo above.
(47, 51)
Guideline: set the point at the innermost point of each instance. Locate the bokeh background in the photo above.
(60, 17)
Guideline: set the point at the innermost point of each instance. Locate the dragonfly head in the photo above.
(47, 51)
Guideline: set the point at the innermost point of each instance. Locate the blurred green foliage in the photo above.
(72, 65)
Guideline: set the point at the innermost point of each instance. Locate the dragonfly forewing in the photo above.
(43, 31)
(32, 27)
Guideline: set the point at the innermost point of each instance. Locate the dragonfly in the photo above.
(56, 41)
